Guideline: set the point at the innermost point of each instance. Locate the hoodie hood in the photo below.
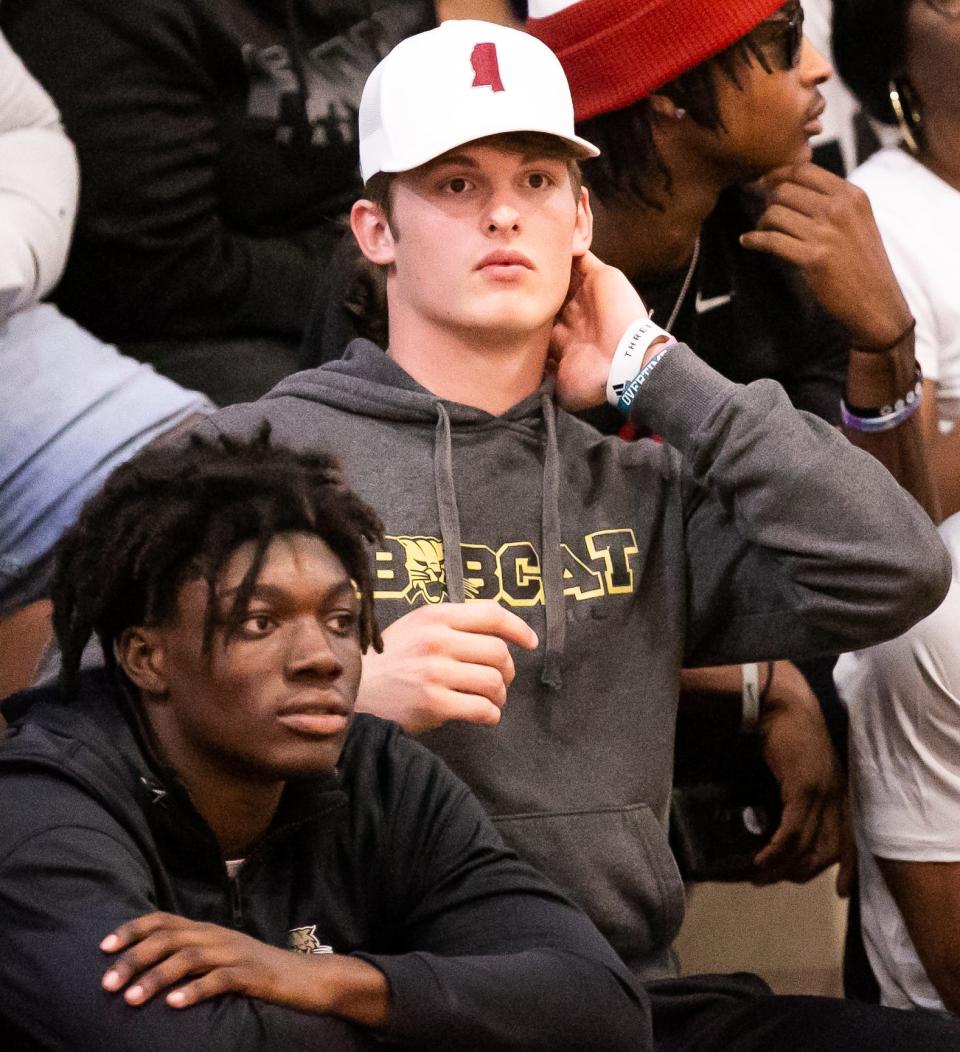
(369, 382)
(94, 740)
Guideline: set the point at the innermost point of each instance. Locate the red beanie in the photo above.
(617, 51)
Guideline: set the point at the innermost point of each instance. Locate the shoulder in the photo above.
(48, 817)
(381, 762)
(908, 200)
(887, 171)
(68, 764)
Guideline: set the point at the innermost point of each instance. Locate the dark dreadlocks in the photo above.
(629, 165)
(173, 514)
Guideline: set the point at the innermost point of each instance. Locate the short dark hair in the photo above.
(869, 49)
(377, 188)
(175, 513)
(630, 166)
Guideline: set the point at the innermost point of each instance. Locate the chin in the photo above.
(291, 766)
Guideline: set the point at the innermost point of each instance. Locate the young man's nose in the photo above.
(502, 215)
(814, 67)
(310, 653)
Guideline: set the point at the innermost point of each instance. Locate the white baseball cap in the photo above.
(461, 81)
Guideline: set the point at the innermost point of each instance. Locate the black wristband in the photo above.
(889, 346)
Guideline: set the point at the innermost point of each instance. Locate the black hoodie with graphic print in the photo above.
(753, 531)
(391, 860)
(217, 142)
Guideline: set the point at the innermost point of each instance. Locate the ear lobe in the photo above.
(665, 108)
(583, 231)
(140, 654)
(369, 224)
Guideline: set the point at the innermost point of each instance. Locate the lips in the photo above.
(505, 259)
(320, 720)
(815, 113)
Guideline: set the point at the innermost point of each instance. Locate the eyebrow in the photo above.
(269, 591)
(464, 160)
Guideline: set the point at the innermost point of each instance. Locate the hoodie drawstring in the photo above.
(447, 510)
(551, 558)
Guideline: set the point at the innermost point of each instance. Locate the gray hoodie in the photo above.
(756, 532)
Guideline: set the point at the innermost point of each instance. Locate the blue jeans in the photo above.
(71, 409)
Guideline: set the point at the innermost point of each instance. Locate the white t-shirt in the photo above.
(38, 188)
(903, 698)
(919, 219)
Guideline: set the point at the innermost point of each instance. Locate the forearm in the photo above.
(96, 884)
(880, 378)
(338, 985)
(942, 451)
(802, 524)
(534, 1001)
(718, 679)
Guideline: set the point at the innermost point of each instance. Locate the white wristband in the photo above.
(628, 357)
(750, 695)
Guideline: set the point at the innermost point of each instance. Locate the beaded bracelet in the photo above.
(884, 417)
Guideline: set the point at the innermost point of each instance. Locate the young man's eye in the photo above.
(539, 180)
(344, 622)
(457, 185)
(255, 625)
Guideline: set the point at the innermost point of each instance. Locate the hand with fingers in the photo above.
(825, 227)
(600, 305)
(445, 662)
(191, 961)
(798, 750)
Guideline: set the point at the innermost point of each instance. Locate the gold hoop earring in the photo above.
(906, 109)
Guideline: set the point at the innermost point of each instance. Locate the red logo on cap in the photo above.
(484, 62)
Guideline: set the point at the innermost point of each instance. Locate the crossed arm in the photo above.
(478, 950)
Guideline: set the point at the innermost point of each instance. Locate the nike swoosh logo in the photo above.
(702, 306)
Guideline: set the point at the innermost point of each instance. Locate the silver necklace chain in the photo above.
(686, 285)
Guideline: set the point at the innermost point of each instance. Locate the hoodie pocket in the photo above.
(615, 863)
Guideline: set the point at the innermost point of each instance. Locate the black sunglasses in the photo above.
(781, 37)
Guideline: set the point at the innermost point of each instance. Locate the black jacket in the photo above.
(392, 860)
(217, 141)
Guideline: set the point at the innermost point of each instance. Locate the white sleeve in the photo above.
(903, 698)
(909, 271)
(39, 183)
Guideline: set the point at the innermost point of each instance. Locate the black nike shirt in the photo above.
(749, 315)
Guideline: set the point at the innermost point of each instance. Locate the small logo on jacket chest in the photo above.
(304, 940)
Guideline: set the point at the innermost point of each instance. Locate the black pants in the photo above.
(227, 371)
(737, 1013)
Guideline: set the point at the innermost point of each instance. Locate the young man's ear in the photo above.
(371, 228)
(665, 108)
(583, 231)
(140, 654)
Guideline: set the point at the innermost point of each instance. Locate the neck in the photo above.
(942, 155)
(239, 815)
(238, 811)
(489, 371)
(645, 242)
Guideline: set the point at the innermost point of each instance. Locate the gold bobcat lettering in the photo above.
(411, 568)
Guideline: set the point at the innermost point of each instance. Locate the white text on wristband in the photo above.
(629, 391)
(628, 358)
